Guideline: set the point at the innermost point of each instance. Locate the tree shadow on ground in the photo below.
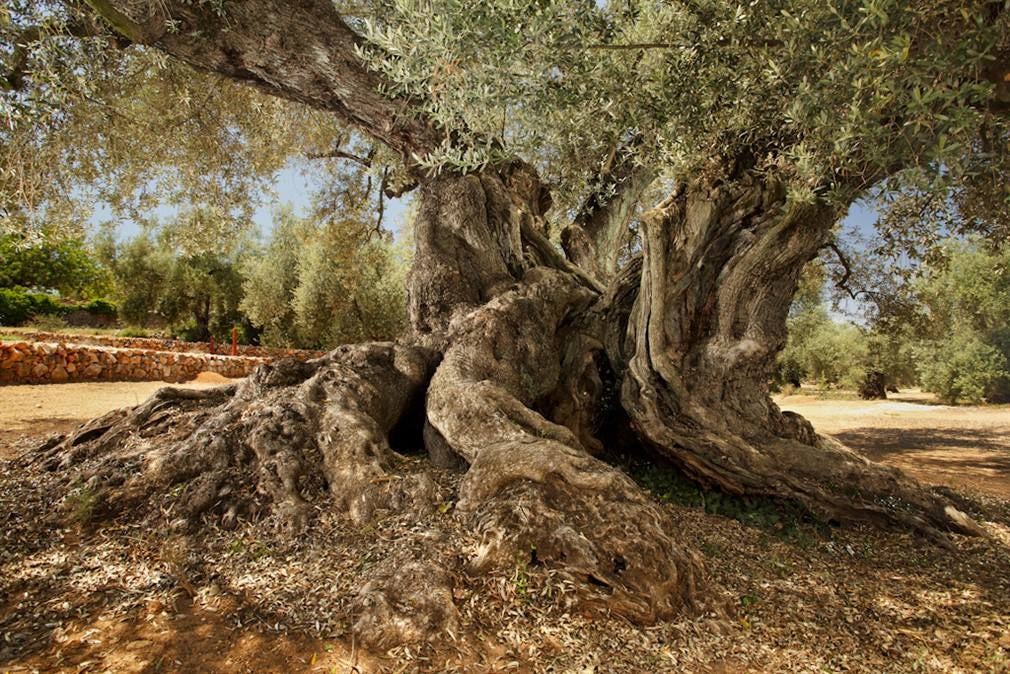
(969, 449)
(75, 596)
(975, 461)
(916, 398)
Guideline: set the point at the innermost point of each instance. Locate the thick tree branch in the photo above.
(599, 231)
(337, 153)
(144, 32)
(842, 283)
(300, 50)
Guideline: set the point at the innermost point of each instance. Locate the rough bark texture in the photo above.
(517, 360)
(301, 50)
(532, 486)
(720, 267)
(291, 433)
(600, 232)
(293, 439)
(519, 354)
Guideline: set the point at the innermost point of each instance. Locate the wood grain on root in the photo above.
(521, 364)
(533, 492)
(720, 267)
(294, 432)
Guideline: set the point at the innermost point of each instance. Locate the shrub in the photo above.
(101, 307)
(188, 332)
(44, 304)
(47, 323)
(790, 371)
(789, 389)
(15, 306)
(964, 368)
(18, 305)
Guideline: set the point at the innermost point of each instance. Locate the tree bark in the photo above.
(520, 357)
(517, 360)
(720, 268)
(300, 50)
(598, 235)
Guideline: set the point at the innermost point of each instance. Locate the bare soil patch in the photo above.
(39, 409)
(955, 446)
(792, 595)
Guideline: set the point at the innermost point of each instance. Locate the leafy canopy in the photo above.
(833, 94)
(89, 118)
(65, 265)
(318, 284)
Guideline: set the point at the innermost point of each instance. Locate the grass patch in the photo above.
(784, 519)
(83, 504)
(133, 332)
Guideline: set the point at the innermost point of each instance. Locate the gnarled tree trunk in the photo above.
(720, 268)
(512, 356)
(515, 354)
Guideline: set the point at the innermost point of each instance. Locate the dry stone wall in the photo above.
(58, 362)
(154, 344)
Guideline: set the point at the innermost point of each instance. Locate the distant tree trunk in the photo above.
(201, 319)
(873, 385)
(520, 363)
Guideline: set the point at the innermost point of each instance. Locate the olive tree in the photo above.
(316, 285)
(690, 157)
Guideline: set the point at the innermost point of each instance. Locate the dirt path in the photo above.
(960, 446)
(52, 408)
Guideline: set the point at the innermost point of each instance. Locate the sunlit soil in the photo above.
(790, 596)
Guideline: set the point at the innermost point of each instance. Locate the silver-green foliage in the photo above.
(194, 294)
(87, 119)
(317, 285)
(833, 94)
(834, 352)
(963, 316)
(964, 368)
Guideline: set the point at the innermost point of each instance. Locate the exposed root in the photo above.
(289, 436)
(541, 502)
(780, 455)
(720, 266)
(533, 493)
(407, 601)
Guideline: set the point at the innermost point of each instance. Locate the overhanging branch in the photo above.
(16, 68)
(303, 51)
(843, 282)
(141, 33)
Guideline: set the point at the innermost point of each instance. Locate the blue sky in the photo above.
(292, 187)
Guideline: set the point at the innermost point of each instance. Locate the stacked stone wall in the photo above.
(155, 344)
(59, 362)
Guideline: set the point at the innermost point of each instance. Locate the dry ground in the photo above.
(793, 595)
(50, 408)
(957, 446)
